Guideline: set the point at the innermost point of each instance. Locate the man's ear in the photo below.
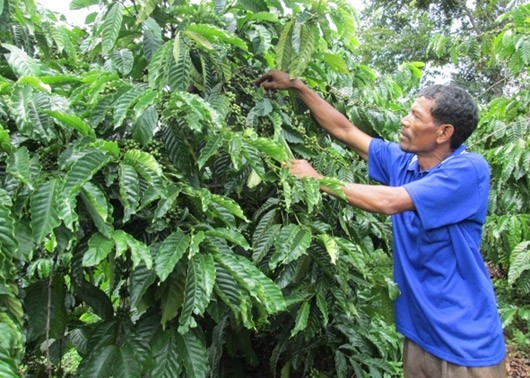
(445, 132)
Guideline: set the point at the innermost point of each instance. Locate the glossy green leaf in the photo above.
(73, 121)
(8, 241)
(44, 216)
(99, 363)
(145, 125)
(171, 300)
(18, 166)
(99, 247)
(200, 279)
(214, 34)
(83, 170)
(259, 286)
(95, 298)
(291, 243)
(270, 148)
(331, 246)
(234, 296)
(144, 163)
(166, 356)
(230, 235)
(98, 208)
(127, 363)
(210, 149)
(140, 252)
(171, 251)
(44, 305)
(301, 319)
(20, 62)
(111, 27)
(193, 354)
(129, 190)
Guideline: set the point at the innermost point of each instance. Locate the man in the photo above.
(437, 195)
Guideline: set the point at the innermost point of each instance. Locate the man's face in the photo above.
(419, 132)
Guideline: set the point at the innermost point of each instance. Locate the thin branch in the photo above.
(48, 318)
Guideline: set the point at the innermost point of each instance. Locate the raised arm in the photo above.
(331, 120)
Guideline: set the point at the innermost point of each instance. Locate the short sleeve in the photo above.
(385, 161)
(453, 192)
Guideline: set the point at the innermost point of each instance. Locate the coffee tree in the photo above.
(148, 225)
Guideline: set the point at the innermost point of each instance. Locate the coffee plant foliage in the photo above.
(147, 222)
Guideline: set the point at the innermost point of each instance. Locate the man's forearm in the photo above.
(376, 198)
(331, 120)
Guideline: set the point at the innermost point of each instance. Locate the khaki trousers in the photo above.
(418, 363)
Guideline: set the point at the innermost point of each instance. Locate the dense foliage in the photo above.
(147, 226)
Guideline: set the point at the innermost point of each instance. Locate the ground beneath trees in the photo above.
(518, 365)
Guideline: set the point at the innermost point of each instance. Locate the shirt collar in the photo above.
(414, 166)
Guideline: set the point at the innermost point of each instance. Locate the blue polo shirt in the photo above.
(447, 304)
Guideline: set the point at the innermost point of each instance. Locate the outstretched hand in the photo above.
(275, 80)
(302, 168)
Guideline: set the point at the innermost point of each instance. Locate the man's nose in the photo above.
(405, 121)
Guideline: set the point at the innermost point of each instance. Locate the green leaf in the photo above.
(200, 280)
(166, 356)
(211, 148)
(144, 163)
(44, 216)
(99, 247)
(230, 235)
(193, 354)
(140, 280)
(8, 366)
(95, 298)
(20, 62)
(123, 60)
(336, 62)
(214, 35)
(83, 170)
(5, 142)
(127, 363)
(36, 83)
(230, 205)
(80, 4)
(264, 235)
(301, 319)
(171, 299)
(270, 148)
(308, 40)
(234, 296)
(331, 246)
(98, 208)
(284, 50)
(147, 8)
(335, 185)
(42, 313)
(519, 261)
(123, 104)
(291, 243)
(99, 362)
(18, 166)
(111, 27)
(171, 251)
(8, 241)
(139, 251)
(145, 125)
(73, 121)
(259, 286)
(129, 190)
